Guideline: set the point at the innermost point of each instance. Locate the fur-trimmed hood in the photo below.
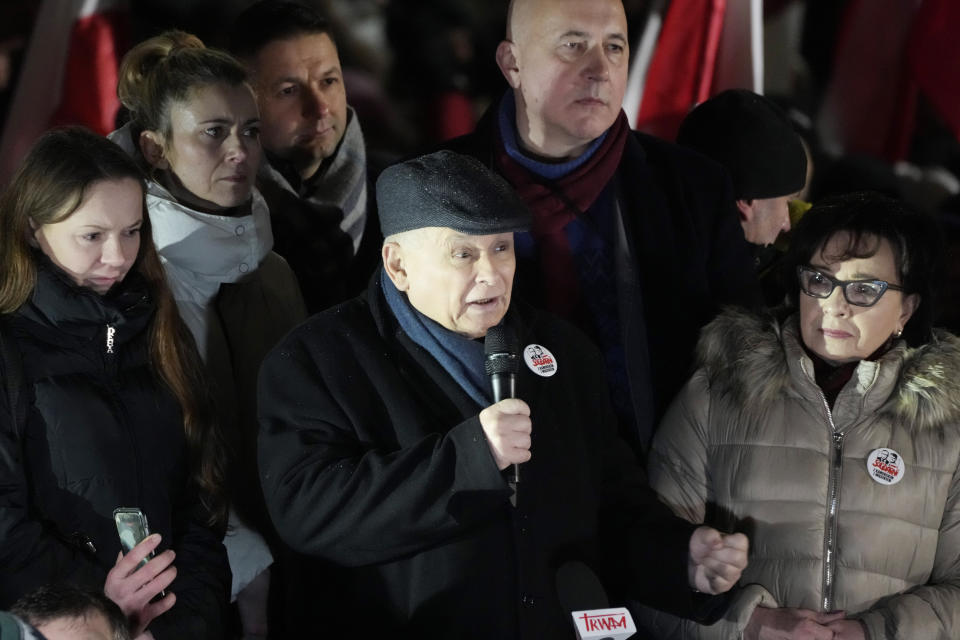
(748, 356)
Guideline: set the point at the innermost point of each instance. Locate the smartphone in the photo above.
(132, 528)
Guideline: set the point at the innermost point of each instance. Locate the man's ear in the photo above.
(393, 264)
(507, 61)
(151, 146)
(745, 207)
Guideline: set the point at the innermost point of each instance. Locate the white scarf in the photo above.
(200, 251)
(342, 184)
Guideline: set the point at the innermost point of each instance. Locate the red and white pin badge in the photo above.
(885, 466)
(540, 360)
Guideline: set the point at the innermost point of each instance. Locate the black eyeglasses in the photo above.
(861, 293)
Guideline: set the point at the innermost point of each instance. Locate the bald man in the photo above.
(635, 240)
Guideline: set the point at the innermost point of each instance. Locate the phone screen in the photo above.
(132, 528)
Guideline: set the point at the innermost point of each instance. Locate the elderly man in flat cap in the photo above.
(382, 449)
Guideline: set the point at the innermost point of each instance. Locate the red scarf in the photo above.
(555, 204)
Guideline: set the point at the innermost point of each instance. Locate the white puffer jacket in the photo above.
(751, 445)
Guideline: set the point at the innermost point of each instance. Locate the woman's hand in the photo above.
(133, 589)
(792, 624)
(847, 630)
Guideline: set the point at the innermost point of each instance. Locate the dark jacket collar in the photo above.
(63, 306)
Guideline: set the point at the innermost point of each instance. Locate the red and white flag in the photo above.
(69, 74)
(682, 66)
(703, 48)
(739, 62)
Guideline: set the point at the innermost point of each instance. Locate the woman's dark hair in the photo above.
(868, 217)
(49, 186)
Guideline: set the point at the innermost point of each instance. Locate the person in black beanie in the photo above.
(383, 452)
(754, 140)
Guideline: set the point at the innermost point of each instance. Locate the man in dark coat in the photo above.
(756, 143)
(315, 177)
(634, 239)
(382, 451)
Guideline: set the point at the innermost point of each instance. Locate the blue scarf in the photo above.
(592, 248)
(507, 117)
(460, 356)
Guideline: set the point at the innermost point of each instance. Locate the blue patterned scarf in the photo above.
(460, 356)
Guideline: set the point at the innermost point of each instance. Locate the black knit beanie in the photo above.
(750, 136)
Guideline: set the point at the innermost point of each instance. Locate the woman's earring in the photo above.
(898, 333)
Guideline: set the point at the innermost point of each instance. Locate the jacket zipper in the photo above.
(111, 366)
(111, 331)
(830, 539)
(109, 351)
(833, 504)
(833, 507)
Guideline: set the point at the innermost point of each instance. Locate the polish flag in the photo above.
(69, 74)
(703, 47)
(681, 69)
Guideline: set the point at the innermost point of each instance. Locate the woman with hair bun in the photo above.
(194, 127)
(102, 402)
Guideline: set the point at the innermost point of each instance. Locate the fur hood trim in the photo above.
(928, 390)
(742, 355)
(745, 356)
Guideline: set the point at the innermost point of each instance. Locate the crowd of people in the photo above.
(340, 397)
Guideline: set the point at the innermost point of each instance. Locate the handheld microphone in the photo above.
(580, 592)
(502, 365)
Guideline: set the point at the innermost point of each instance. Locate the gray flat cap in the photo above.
(447, 189)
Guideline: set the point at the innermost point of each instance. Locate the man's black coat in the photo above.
(374, 459)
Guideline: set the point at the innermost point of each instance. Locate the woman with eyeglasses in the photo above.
(830, 434)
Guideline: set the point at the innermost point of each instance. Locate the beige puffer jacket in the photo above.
(750, 445)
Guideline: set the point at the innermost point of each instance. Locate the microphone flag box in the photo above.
(604, 624)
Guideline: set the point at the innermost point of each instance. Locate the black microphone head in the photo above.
(501, 347)
(579, 588)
